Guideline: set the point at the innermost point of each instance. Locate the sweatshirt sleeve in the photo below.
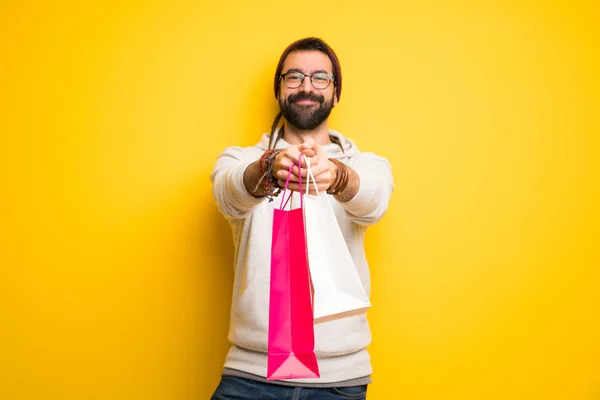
(229, 192)
(376, 185)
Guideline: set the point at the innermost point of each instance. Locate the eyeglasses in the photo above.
(319, 80)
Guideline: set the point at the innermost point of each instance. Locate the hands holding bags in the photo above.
(307, 247)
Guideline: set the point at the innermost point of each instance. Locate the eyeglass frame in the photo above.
(331, 77)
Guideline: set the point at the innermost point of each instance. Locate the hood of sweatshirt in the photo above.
(332, 149)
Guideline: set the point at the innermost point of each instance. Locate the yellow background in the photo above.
(116, 268)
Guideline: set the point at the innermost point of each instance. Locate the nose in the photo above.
(306, 85)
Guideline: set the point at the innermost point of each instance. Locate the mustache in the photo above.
(293, 98)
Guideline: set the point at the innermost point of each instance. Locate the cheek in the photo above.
(330, 93)
(283, 99)
(284, 94)
(331, 98)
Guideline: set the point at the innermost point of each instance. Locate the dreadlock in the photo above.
(273, 129)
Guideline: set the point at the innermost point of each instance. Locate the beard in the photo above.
(305, 117)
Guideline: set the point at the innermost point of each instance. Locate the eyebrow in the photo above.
(297, 70)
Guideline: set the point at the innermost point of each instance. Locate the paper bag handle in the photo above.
(310, 175)
(287, 182)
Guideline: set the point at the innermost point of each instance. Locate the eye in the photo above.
(321, 77)
(293, 77)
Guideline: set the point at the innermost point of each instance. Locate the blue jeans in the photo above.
(234, 388)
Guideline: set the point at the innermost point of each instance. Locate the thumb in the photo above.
(308, 152)
(308, 148)
(310, 144)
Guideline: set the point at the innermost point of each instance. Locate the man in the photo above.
(308, 85)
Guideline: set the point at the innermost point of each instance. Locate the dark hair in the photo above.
(306, 44)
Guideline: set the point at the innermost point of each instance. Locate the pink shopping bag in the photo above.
(291, 327)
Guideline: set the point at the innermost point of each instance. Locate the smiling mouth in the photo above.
(306, 102)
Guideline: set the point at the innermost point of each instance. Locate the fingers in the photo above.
(324, 166)
(282, 174)
(321, 172)
(284, 161)
(308, 153)
(295, 187)
(310, 145)
(311, 149)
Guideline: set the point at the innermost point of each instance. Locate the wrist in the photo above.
(252, 179)
(341, 179)
(266, 162)
(334, 173)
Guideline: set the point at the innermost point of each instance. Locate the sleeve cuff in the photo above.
(245, 197)
(361, 200)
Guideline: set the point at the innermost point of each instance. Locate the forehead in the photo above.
(307, 61)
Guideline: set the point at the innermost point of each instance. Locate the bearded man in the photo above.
(308, 85)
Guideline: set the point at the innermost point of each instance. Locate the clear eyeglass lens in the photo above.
(320, 81)
(293, 80)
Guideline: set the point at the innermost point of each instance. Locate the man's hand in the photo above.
(323, 170)
(281, 166)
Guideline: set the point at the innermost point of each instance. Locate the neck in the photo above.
(293, 135)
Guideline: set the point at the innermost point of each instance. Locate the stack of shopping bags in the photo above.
(313, 280)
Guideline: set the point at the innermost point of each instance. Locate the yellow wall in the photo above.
(115, 267)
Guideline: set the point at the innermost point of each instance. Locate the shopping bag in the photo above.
(337, 289)
(291, 327)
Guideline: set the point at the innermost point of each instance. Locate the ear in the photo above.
(335, 99)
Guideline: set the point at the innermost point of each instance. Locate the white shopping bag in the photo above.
(338, 291)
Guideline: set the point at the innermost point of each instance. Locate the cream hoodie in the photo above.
(340, 345)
